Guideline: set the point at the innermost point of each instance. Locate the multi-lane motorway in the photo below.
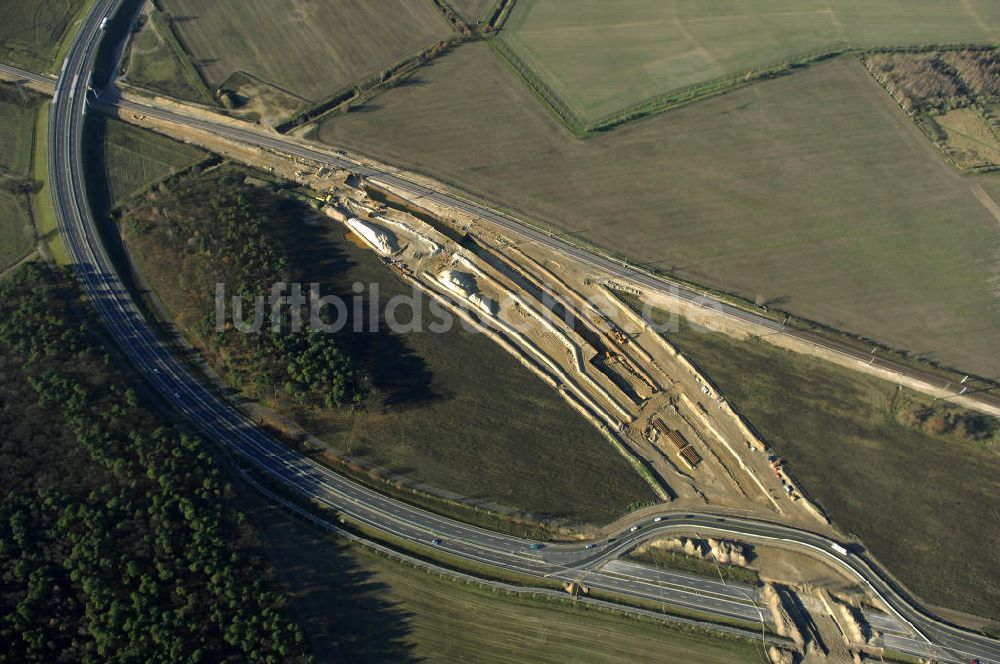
(220, 421)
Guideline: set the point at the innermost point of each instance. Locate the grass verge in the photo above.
(45, 214)
(159, 63)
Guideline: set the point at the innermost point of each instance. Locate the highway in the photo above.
(18, 74)
(222, 422)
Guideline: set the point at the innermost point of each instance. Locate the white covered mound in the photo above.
(380, 239)
(464, 285)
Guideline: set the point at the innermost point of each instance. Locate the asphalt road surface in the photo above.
(18, 74)
(220, 421)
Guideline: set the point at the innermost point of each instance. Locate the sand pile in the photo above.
(732, 553)
(379, 238)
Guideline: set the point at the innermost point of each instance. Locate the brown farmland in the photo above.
(308, 47)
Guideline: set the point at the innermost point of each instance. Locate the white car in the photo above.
(633, 529)
(658, 519)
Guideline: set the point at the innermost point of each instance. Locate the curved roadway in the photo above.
(222, 422)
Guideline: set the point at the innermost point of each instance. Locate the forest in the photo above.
(219, 220)
(120, 537)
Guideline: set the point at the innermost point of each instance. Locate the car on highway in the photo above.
(633, 529)
(590, 546)
(658, 519)
(536, 546)
(436, 542)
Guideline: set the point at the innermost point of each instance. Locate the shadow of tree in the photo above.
(342, 609)
(393, 372)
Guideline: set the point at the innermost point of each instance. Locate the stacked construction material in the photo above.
(684, 448)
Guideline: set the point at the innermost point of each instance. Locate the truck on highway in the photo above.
(839, 549)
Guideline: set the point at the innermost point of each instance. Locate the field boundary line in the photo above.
(987, 201)
(367, 88)
(664, 101)
(165, 29)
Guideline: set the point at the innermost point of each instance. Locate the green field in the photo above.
(601, 57)
(358, 607)
(135, 158)
(17, 128)
(814, 193)
(16, 236)
(311, 48)
(17, 132)
(925, 505)
(31, 30)
(472, 10)
(452, 410)
(155, 64)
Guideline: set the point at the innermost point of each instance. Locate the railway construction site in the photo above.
(563, 321)
(569, 328)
